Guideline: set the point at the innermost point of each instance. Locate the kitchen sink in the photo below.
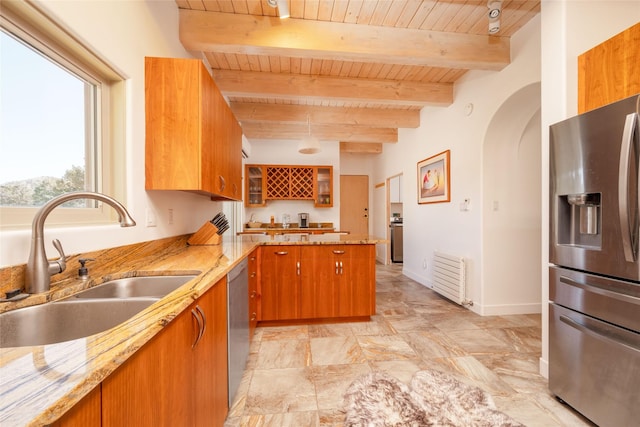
(66, 320)
(147, 286)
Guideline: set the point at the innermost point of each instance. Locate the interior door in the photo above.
(354, 204)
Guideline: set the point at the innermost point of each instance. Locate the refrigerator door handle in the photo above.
(628, 239)
(601, 334)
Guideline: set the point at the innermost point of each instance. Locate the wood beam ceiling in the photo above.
(284, 113)
(250, 34)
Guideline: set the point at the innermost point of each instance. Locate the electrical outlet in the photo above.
(170, 217)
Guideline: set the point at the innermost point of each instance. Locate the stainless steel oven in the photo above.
(594, 280)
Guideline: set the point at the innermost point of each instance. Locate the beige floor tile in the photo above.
(276, 391)
(332, 382)
(336, 351)
(290, 419)
(284, 354)
(386, 347)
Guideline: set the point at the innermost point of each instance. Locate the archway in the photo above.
(511, 217)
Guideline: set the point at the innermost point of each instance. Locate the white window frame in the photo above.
(28, 23)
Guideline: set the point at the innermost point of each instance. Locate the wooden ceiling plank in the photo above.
(293, 86)
(377, 117)
(347, 133)
(235, 33)
(360, 147)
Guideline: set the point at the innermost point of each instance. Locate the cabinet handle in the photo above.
(253, 274)
(235, 188)
(298, 267)
(281, 253)
(337, 252)
(223, 183)
(195, 314)
(340, 267)
(252, 258)
(254, 316)
(253, 294)
(336, 267)
(204, 320)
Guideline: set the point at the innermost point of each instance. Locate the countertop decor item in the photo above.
(211, 232)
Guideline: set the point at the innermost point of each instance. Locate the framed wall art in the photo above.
(434, 184)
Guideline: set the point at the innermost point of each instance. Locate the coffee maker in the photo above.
(303, 220)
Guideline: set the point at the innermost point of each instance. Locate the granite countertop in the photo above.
(38, 384)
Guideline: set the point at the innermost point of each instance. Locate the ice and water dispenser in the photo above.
(580, 220)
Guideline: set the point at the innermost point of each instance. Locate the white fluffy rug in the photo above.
(433, 399)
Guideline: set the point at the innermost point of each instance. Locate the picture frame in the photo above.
(434, 182)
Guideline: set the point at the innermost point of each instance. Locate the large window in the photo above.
(57, 127)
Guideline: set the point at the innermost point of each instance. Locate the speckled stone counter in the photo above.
(38, 384)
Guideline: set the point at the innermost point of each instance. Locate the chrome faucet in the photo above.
(39, 268)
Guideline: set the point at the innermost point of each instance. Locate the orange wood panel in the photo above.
(193, 140)
(210, 371)
(155, 386)
(254, 296)
(279, 283)
(610, 71)
(85, 413)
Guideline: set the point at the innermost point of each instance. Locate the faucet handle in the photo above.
(62, 262)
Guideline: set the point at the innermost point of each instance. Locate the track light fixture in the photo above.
(282, 6)
(495, 10)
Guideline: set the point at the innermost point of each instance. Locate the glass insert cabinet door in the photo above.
(255, 186)
(324, 187)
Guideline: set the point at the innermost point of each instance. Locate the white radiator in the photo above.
(448, 277)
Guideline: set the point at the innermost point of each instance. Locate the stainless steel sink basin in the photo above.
(147, 286)
(66, 320)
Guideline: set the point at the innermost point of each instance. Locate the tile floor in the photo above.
(296, 375)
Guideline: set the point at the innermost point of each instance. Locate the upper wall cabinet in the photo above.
(288, 182)
(193, 140)
(610, 71)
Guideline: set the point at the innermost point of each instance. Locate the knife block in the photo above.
(206, 235)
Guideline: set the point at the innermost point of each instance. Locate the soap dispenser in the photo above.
(83, 272)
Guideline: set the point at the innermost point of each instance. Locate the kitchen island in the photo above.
(39, 384)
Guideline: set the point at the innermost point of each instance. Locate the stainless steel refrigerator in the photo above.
(594, 277)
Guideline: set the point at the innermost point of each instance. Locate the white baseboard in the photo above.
(544, 368)
(506, 309)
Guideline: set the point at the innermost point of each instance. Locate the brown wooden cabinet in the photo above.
(193, 141)
(317, 281)
(254, 296)
(180, 376)
(610, 71)
(288, 182)
(85, 413)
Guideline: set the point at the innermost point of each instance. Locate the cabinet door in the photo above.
(323, 186)
(317, 284)
(610, 71)
(173, 111)
(356, 280)
(210, 374)
(155, 386)
(85, 413)
(255, 180)
(279, 282)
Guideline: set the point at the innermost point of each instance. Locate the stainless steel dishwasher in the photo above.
(238, 324)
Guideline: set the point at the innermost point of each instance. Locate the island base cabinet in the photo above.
(316, 282)
(180, 376)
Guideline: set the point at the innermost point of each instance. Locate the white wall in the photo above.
(443, 226)
(285, 152)
(569, 28)
(122, 33)
(511, 207)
